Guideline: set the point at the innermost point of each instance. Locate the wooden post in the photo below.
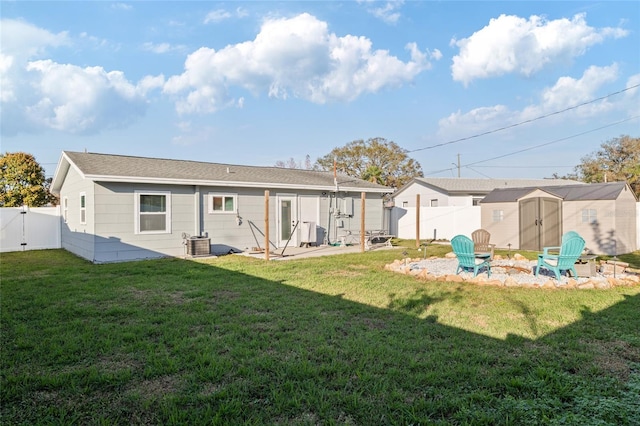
(417, 220)
(266, 224)
(363, 197)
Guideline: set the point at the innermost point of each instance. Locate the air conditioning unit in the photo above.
(199, 246)
(308, 233)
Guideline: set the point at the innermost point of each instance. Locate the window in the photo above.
(65, 209)
(476, 201)
(405, 204)
(222, 203)
(153, 212)
(434, 203)
(498, 215)
(589, 216)
(83, 208)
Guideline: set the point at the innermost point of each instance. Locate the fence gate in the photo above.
(29, 228)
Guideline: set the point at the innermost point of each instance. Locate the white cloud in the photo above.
(567, 92)
(296, 57)
(385, 11)
(38, 93)
(632, 96)
(220, 15)
(215, 16)
(149, 83)
(23, 40)
(510, 44)
(161, 48)
(82, 100)
(121, 6)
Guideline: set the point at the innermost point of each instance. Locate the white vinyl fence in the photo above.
(435, 222)
(29, 228)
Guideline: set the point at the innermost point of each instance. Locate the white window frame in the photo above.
(433, 202)
(589, 216)
(65, 209)
(83, 209)
(167, 213)
(497, 215)
(213, 195)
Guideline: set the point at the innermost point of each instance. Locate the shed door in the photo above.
(540, 223)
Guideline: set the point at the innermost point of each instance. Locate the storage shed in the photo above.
(531, 218)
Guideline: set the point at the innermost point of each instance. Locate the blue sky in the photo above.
(516, 89)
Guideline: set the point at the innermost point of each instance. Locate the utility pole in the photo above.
(458, 165)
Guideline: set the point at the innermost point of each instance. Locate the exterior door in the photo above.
(287, 220)
(540, 223)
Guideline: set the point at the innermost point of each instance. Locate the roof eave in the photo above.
(231, 184)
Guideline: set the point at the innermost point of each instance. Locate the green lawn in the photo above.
(331, 340)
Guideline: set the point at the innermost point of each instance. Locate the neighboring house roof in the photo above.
(120, 168)
(466, 186)
(592, 191)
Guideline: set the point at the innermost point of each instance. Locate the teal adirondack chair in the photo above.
(565, 260)
(553, 251)
(463, 247)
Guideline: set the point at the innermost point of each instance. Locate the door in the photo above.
(540, 223)
(287, 220)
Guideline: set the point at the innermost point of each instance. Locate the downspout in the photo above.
(197, 230)
(326, 237)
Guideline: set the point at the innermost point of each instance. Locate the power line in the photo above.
(541, 145)
(555, 141)
(524, 122)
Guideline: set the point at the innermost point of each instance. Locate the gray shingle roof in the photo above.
(593, 191)
(487, 185)
(107, 167)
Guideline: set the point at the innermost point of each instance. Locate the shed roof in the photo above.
(121, 168)
(593, 191)
(483, 186)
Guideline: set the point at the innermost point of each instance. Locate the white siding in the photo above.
(115, 216)
(227, 235)
(76, 237)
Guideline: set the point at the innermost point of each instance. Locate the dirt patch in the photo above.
(615, 357)
(158, 387)
(374, 324)
(117, 363)
(345, 273)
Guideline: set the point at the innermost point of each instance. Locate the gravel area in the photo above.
(500, 270)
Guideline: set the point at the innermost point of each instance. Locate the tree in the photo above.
(617, 160)
(291, 163)
(22, 181)
(375, 160)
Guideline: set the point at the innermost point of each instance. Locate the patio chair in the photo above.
(565, 260)
(463, 247)
(553, 251)
(481, 239)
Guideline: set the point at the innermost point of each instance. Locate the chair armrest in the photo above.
(485, 248)
(551, 251)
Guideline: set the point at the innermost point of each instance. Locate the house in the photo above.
(120, 208)
(445, 192)
(531, 218)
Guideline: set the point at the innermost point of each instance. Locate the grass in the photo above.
(331, 340)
